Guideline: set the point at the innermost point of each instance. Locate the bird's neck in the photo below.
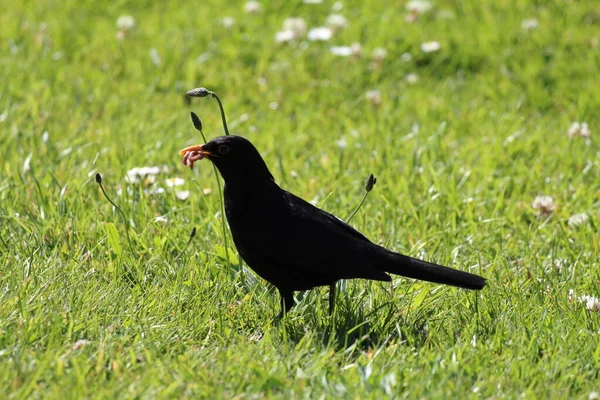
(251, 187)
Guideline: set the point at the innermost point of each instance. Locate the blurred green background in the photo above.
(479, 120)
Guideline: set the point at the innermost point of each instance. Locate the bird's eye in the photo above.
(223, 149)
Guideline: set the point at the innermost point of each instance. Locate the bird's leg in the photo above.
(332, 297)
(287, 302)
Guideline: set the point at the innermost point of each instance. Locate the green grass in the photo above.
(459, 158)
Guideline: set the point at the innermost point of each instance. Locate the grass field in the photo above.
(463, 136)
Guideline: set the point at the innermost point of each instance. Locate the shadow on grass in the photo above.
(356, 327)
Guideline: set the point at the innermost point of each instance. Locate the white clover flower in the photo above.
(418, 6)
(354, 50)
(411, 78)
(430, 47)
(577, 219)
(252, 7)
(579, 129)
(544, 204)
(374, 96)
(284, 36)
(529, 24)
(162, 219)
(296, 25)
(571, 296)
(81, 343)
(379, 53)
(183, 194)
(342, 51)
(341, 143)
(135, 175)
(320, 34)
(126, 23)
(227, 22)
(172, 182)
(591, 303)
(154, 190)
(336, 21)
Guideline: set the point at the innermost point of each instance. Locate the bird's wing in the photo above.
(303, 235)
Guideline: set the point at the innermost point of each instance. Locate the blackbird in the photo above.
(295, 245)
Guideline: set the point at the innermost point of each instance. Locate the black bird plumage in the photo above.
(295, 245)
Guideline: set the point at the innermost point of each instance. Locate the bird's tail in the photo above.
(409, 267)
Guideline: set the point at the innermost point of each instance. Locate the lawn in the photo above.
(480, 121)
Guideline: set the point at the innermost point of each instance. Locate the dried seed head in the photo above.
(198, 92)
(371, 181)
(98, 179)
(193, 233)
(196, 121)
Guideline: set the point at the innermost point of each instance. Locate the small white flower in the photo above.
(135, 175)
(162, 219)
(155, 57)
(591, 302)
(312, 1)
(182, 195)
(545, 205)
(172, 182)
(252, 7)
(284, 36)
(374, 96)
(529, 24)
(558, 264)
(293, 174)
(154, 191)
(341, 143)
(418, 6)
(579, 129)
(296, 25)
(379, 53)
(430, 47)
(577, 219)
(571, 297)
(336, 21)
(321, 34)
(406, 57)
(342, 51)
(126, 23)
(81, 343)
(411, 78)
(594, 395)
(227, 22)
(207, 191)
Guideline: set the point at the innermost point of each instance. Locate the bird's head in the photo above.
(236, 158)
